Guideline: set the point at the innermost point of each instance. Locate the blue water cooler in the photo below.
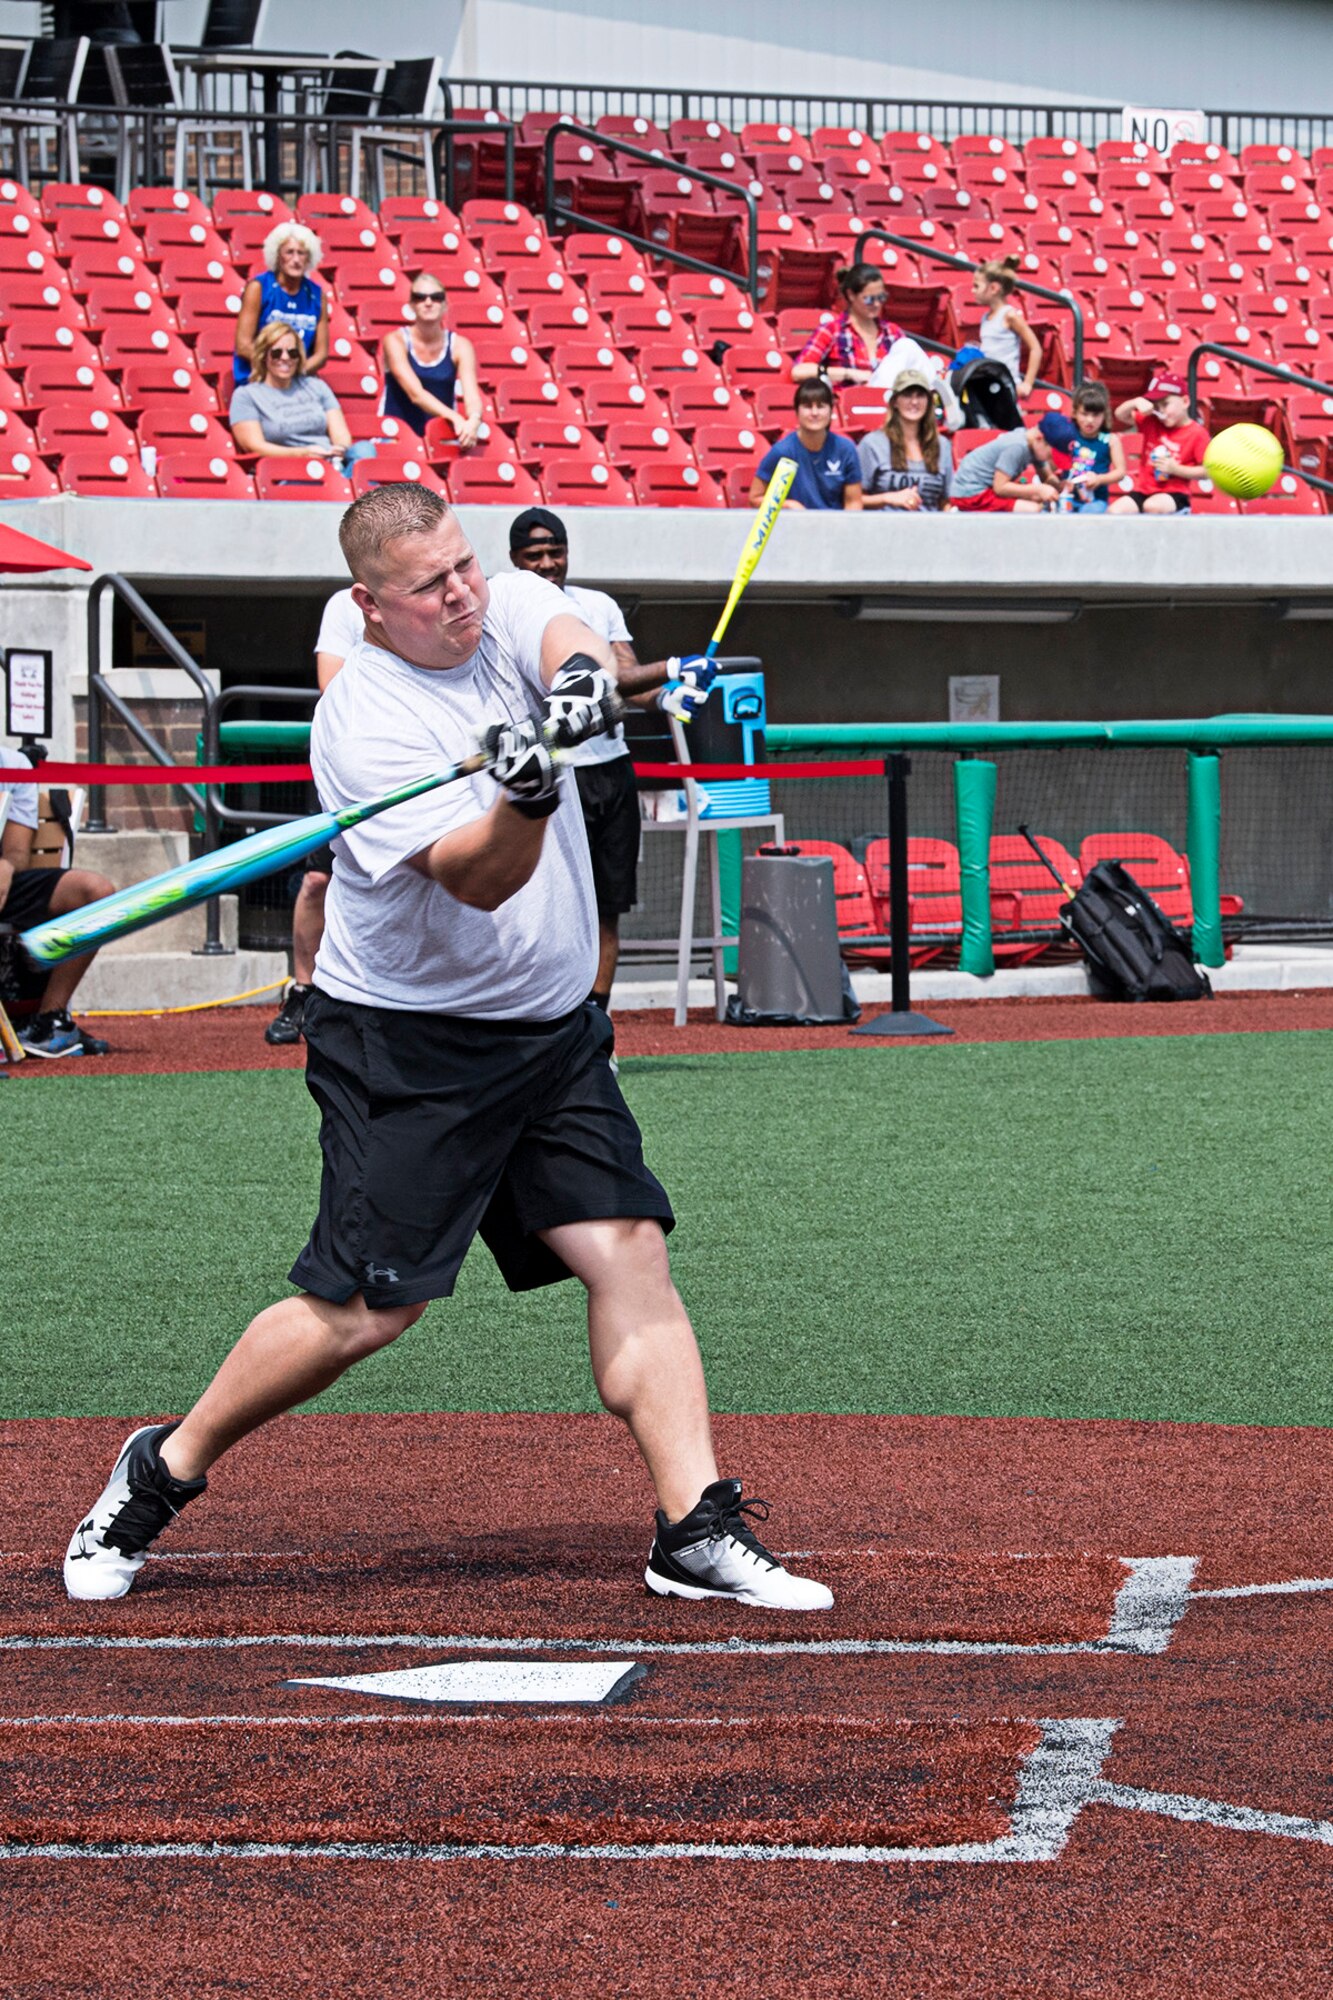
(729, 729)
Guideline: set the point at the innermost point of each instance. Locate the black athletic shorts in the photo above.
(436, 1129)
(29, 898)
(610, 800)
(1181, 501)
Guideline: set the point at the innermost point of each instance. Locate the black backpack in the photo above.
(1132, 951)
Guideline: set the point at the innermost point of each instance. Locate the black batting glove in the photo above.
(583, 702)
(523, 765)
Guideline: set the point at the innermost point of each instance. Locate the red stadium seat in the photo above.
(64, 198)
(94, 261)
(28, 297)
(693, 401)
(542, 441)
(558, 320)
(587, 482)
(736, 483)
(391, 467)
(676, 485)
(934, 895)
(496, 484)
(586, 254)
(639, 132)
(24, 477)
(520, 396)
(720, 447)
(167, 233)
(640, 321)
(114, 299)
(503, 249)
(200, 475)
(501, 361)
(107, 474)
(233, 205)
(1289, 496)
(632, 443)
(612, 402)
(399, 212)
(748, 365)
(15, 434)
(34, 336)
(317, 210)
(176, 426)
(143, 203)
(1016, 872)
(152, 382)
(301, 479)
(65, 427)
(48, 379)
(189, 272)
(1154, 864)
(577, 363)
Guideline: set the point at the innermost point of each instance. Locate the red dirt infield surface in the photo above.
(136, 1741)
(233, 1037)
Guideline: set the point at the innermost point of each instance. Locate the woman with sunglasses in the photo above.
(428, 368)
(848, 348)
(283, 412)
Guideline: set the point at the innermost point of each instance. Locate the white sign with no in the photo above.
(1151, 125)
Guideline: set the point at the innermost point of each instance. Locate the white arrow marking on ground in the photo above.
(490, 1681)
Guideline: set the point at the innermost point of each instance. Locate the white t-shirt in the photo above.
(392, 937)
(607, 619)
(341, 625)
(22, 798)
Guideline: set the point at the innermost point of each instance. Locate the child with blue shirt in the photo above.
(1096, 455)
(828, 470)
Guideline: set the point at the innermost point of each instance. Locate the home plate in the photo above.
(487, 1681)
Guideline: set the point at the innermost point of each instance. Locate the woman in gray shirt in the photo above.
(282, 412)
(908, 465)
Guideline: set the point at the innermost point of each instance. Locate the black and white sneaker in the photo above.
(287, 1024)
(110, 1544)
(714, 1552)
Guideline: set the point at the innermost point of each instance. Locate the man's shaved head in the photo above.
(387, 514)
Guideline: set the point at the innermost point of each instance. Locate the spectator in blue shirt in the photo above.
(1086, 443)
(828, 471)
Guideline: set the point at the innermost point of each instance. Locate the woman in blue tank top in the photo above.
(429, 369)
(285, 291)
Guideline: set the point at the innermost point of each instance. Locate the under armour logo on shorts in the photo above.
(377, 1274)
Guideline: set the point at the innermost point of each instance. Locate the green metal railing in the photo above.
(1202, 739)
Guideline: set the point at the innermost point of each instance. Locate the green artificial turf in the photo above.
(1098, 1229)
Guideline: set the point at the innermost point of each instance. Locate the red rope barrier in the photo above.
(52, 773)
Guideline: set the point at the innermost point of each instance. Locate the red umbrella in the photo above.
(25, 552)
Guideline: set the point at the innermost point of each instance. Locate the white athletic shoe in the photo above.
(110, 1545)
(714, 1552)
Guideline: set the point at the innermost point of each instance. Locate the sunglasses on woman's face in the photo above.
(427, 298)
(283, 353)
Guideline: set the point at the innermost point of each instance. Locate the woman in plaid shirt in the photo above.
(847, 349)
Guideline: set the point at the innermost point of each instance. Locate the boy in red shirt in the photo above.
(1173, 448)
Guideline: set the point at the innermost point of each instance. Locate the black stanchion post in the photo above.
(900, 1020)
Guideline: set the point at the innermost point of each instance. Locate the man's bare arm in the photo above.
(486, 862)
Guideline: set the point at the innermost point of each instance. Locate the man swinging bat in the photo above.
(463, 1082)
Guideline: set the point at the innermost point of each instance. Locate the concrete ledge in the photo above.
(1252, 969)
(175, 978)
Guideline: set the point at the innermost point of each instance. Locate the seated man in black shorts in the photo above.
(29, 896)
(463, 1078)
(605, 774)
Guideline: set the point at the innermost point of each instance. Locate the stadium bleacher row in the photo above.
(611, 379)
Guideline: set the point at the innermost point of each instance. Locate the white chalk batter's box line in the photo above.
(1148, 1606)
(1058, 1778)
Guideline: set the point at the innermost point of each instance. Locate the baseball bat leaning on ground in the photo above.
(218, 874)
(779, 486)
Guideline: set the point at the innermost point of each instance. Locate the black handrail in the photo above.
(101, 695)
(1278, 373)
(1065, 299)
(558, 210)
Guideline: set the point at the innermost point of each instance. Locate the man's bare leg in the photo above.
(645, 1358)
(288, 1353)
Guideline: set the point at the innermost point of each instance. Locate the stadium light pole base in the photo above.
(905, 1023)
